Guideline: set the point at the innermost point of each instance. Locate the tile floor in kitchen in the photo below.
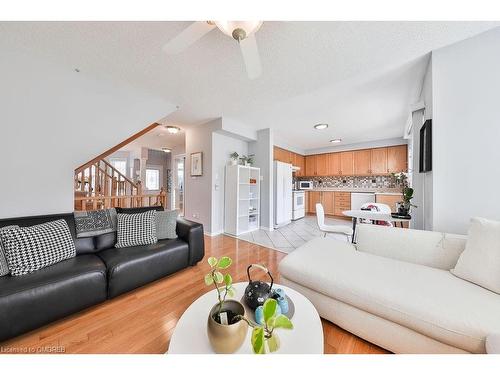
(291, 236)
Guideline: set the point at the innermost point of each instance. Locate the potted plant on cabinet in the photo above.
(226, 328)
(234, 158)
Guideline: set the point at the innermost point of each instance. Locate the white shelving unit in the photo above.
(242, 199)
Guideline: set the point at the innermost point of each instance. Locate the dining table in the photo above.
(372, 215)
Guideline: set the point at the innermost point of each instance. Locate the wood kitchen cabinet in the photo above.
(362, 162)
(346, 163)
(328, 202)
(311, 165)
(333, 164)
(326, 198)
(321, 165)
(378, 161)
(313, 197)
(397, 159)
(342, 202)
(299, 161)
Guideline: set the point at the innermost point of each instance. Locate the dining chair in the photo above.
(325, 228)
(377, 207)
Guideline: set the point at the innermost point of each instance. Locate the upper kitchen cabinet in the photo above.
(321, 165)
(310, 165)
(299, 161)
(333, 164)
(379, 161)
(282, 155)
(397, 159)
(362, 162)
(346, 163)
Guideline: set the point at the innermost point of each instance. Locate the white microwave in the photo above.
(306, 185)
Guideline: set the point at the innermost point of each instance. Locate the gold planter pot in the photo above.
(227, 339)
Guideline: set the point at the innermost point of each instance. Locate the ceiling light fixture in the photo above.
(320, 126)
(336, 140)
(164, 149)
(172, 129)
(239, 30)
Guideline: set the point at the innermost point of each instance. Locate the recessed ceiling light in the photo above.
(172, 129)
(164, 149)
(336, 140)
(320, 126)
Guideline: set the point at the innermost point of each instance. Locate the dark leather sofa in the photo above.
(98, 272)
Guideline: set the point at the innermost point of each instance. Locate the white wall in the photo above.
(263, 150)
(422, 182)
(52, 120)
(198, 192)
(466, 132)
(222, 146)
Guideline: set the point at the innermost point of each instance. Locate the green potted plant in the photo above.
(225, 328)
(404, 207)
(250, 159)
(234, 158)
(264, 338)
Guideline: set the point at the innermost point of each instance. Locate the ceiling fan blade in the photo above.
(251, 57)
(187, 37)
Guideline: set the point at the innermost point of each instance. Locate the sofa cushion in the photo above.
(4, 266)
(82, 245)
(480, 262)
(166, 222)
(428, 300)
(29, 249)
(94, 223)
(30, 301)
(433, 249)
(136, 229)
(132, 267)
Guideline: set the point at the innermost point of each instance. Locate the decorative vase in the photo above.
(234, 162)
(228, 338)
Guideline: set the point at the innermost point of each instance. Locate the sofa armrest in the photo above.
(192, 233)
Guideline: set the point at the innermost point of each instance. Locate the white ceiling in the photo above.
(360, 77)
(158, 138)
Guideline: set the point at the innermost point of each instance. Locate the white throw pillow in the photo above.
(480, 261)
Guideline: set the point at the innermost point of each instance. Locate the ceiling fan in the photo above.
(242, 31)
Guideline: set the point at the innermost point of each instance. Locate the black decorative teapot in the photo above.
(257, 292)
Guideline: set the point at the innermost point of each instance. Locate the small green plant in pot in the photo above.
(225, 328)
(234, 158)
(406, 205)
(264, 338)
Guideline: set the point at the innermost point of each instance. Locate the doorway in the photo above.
(179, 179)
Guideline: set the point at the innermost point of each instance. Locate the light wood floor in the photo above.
(142, 321)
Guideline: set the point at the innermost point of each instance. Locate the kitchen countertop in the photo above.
(380, 191)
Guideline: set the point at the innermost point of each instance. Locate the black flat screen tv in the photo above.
(425, 162)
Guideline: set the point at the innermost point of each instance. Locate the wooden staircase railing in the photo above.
(99, 185)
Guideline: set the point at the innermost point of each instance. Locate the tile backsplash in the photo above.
(351, 181)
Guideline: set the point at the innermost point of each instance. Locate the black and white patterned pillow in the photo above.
(29, 249)
(136, 229)
(4, 266)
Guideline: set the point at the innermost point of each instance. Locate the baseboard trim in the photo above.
(213, 234)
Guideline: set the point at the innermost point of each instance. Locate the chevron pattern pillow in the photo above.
(29, 249)
(136, 229)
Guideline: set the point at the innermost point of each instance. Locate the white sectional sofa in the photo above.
(394, 289)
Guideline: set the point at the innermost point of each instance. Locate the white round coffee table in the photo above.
(190, 334)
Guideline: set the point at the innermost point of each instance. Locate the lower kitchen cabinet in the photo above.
(313, 197)
(342, 202)
(329, 201)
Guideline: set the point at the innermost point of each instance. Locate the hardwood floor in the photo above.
(142, 321)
